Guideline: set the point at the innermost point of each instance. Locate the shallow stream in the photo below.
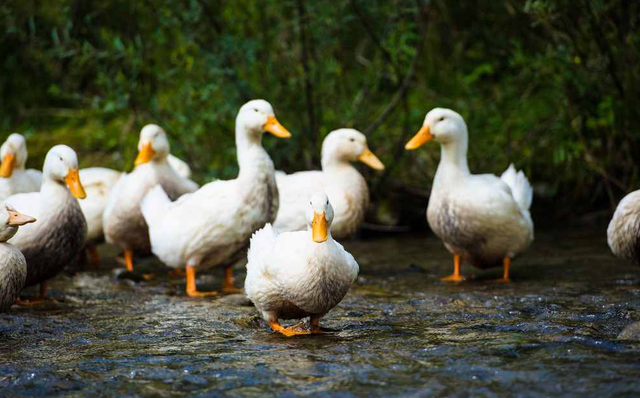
(399, 332)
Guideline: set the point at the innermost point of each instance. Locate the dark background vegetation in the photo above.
(552, 86)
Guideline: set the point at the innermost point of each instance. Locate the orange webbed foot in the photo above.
(295, 330)
(192, 290)
(197, 294)
(231, 289)
(228, 286)
(148, 277)
(453, 278)
(31, 302)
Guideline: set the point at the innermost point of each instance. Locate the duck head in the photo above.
(13, 154)
(441, 125)
(153, 144)
(256, 117)
(61, 165)
(319, 217)
(10, 220)
(349, 145)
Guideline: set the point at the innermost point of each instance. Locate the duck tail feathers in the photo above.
(154, 205)
(262, 242)
(520, 186)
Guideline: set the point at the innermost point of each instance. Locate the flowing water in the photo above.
(399, 332)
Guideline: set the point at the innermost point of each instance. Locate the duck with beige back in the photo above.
(212, 226)
(346, 187)
(124, 225)
(481, 218)
(56, 239)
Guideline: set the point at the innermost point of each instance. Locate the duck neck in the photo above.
(52, 188)
(19, 165)
(453, 160)
(160, 161)
(335, 164)
(252, 158)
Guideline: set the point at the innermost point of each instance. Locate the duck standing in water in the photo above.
(300, 274)
(13, 266)
(346, 187)
(98, 182)
(59, 235)
(212, 226)
(623, 233)
(480, 218)
(13, 176)
(124, 225)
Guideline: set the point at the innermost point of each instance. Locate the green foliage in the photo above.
(552, 86)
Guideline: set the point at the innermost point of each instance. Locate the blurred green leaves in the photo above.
(550, 85)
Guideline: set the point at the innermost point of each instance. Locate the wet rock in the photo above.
(236, 299)
(137, 277)
(247, 321)
(631, 332)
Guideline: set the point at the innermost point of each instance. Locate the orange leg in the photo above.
(36, 300)
(228, 286)
(128, 260)
(93, 253)
(506, 264)
(455, 277)
(290, 331)
(192, 290)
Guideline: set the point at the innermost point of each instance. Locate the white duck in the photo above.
(98, 183)
(13, 266)
(346, 187)
(180, 166)
(59, 235)
(212, 226)
(123, 223)
(299, 274)
(623, 233)
(481, 218)
(13, 176)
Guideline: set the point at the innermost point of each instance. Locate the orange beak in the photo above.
(367, 157)
(274, 127)
(17, 219)
(423, 136)
(75, 186)
(319, 227)
(8, 162)
(145, 155)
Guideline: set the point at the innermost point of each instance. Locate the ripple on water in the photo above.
(399, 332)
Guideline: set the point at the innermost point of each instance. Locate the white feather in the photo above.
(520, 186)
(154, 205)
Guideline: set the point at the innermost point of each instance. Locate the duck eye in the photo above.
(60, 157)
(441, 118)
(352, 139)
